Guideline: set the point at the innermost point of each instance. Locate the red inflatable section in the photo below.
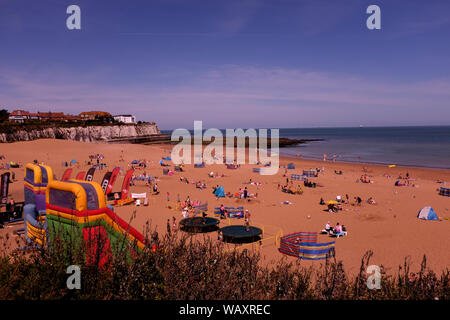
(80, 175)
(126, 184)
(112, 180)
(66, 175)
(95, 237)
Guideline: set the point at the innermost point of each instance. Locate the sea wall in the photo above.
(103, 133)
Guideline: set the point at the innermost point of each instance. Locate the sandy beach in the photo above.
(390, 228)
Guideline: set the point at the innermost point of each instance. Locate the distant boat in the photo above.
(361, 126)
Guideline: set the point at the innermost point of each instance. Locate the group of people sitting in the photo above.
(292, 190)
(198, 184)
(242, 194)
(336, 205)
(404, 183)
(365, 179)
(189, 207)
(215, 175)
(309, 184)
(337, 231)
(253, 183)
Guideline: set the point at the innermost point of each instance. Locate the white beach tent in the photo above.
(427, 213)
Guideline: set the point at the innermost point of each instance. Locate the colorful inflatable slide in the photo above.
(75, 209)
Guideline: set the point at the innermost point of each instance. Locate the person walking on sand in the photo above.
(247, 220)
(168, 227)
(324, 157)
(174, 225)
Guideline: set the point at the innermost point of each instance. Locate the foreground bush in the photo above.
(181, 268)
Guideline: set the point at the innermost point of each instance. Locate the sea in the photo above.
(412, 146)
(424, 146)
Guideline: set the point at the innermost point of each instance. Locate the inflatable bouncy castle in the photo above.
(77, 210)
(36, 179)
(74, 210)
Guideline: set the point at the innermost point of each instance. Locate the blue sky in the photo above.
(249, 63)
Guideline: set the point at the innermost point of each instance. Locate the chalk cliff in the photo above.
(105, 133)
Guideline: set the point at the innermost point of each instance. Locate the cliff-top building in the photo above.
(125, 118)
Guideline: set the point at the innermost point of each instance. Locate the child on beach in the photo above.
(174, 224)
(247, 220)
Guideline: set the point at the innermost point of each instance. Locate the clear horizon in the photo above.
(265, 64)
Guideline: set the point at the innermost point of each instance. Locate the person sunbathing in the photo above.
(339, 231)
(327, 228)
(332, 208)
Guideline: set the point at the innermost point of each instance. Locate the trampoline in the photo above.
(199, 224)
(238, 234)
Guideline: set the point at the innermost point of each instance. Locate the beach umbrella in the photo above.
(332, 202)
(73, 161)
(392, 166)
(134, 162)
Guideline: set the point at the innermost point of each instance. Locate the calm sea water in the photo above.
(409, 146)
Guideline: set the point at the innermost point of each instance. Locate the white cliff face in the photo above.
(86, 134)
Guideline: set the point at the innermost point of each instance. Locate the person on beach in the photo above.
(185, 212)
(223, 212)
(328, 227)
(168, 227)
(168, 196)
(337, 229)
(174, 225)
(247, 220)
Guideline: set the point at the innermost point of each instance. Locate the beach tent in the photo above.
(167, 158)
(134, 162)
(220, 192)
(73, 161)
(427, 213)
(291, 166)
